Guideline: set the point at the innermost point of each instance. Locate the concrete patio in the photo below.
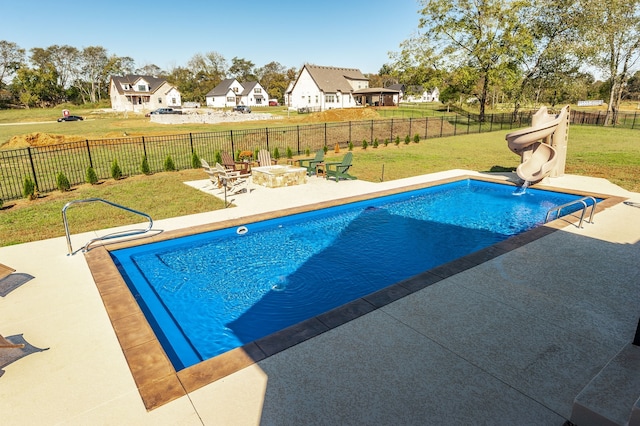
(511, 340)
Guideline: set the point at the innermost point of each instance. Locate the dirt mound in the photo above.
(342, 114)
(38, 139)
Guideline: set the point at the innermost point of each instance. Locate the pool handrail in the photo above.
(118, 234)
(582, 201)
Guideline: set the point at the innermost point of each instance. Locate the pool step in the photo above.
(612, 397)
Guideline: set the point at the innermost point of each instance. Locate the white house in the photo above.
(320, 88)
(423, 95)
(226, 94)
(142, 92)
(230, 93)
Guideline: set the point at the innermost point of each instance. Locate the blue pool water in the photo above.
(208, 293)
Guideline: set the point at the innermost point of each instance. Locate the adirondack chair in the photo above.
(310, 163)
(230, 164)
(339, 170)
(264, 158)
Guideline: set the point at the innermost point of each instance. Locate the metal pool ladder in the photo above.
(108, 236)
(582, 201)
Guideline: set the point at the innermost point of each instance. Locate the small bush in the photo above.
(325, 149)
(195, 161)
(307, 152)
(386, 142)
(169, 165)
(289, 153)
(218, 157)
(276, 153)
(397, 140)
(62, 182)
(350, 146)
(256, 151)
(29, 189)
(116, 171)
(144, 166)
(365, 144)
(91, 176)
(375, 143)
(416, 138)
(407, 140)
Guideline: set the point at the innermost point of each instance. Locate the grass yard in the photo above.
(613, 154)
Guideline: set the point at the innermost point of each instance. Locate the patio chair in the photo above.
(4, 343)
(339, 170)
(232, 180)
(264, 158)
(230, 164)
(212, 172)
(310, 163)
(5, 271)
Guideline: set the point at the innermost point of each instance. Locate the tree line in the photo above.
(481, 52)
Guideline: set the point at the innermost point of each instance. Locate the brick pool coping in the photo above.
(159, 383)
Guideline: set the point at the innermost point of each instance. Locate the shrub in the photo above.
(144, 166)
(169, 165)
(195, 160)
(29, 188)
(407, 140)
(416, 138)
(116, 171)
(307, 152)
(91, 176)
(256, 151)
(289, 153)
(386, 142)
(365, 144)
(276, 153)
(397, 140)
(375, 143)
(218, 157)
(62, 182)
(325, 149)
(350, 146)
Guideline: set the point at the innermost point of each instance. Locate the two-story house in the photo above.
(230, 93)
(142, 92)
(320, 88)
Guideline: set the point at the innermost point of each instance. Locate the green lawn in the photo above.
(610, 153)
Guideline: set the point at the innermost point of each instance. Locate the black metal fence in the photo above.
(42, 164)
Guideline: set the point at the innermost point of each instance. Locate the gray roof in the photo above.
(133, 79)
(222, 88)
(248, 87)
(333, 79)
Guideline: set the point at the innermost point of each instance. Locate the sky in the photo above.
(348, 33)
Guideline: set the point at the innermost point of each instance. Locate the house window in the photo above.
(257, 90)
(173, 101)
(329, 98)
(316, 98)
(235, 90)
(142, 88)
(231, 99)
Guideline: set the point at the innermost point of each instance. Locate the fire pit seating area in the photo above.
(277, 176)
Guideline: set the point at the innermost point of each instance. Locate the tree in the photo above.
(36, 87)
(482, 34)
(11, 57)
(149, 69)
(272, 77)
(242, 70)
(93, 63)
(611, 31)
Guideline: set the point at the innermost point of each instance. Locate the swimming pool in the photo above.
(208, 293)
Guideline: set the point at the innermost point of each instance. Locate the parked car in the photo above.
(164, 111)
(273, 103)
(70, 118)
(243, 109)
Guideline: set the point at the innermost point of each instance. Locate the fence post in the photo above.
(89, 153)
(267, 134)
(391, 135)
(426, 127)
(410, 126)
(191, 142)
(371, 132)
(298, 137)
(144, 147)
(33, 169)
(633, 124)
(232, 145)
(441, 124)
(325, 134)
